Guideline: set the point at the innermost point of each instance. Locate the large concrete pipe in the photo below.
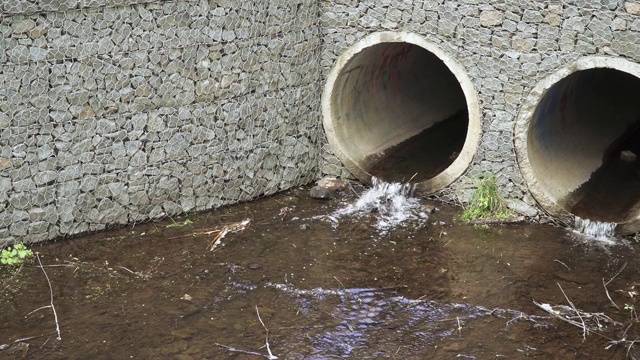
(576, 136)
(398, 107)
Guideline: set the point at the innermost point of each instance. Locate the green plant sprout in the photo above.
(16, 255)
(486, 202)
(177, 224)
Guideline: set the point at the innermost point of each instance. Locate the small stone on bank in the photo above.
(628, 156)
(333, 184)
(428, 208)
(318, 192)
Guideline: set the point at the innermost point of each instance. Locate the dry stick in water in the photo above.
(610, 280)
(232, 349)
(607, 292)
(584, 326)
(53, 308)
(266, 339)
(618, 273)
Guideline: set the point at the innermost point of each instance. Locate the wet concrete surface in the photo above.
(325, 288)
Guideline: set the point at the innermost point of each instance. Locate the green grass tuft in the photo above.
(486, 202)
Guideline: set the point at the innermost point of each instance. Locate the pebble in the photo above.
(318, 192)
(628, 156)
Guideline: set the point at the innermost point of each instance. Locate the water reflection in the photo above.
(367, 318)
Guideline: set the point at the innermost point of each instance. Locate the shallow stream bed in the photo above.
(325, 287)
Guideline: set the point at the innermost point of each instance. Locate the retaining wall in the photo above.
(120, 111)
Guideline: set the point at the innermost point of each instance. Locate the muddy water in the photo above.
(430, 290)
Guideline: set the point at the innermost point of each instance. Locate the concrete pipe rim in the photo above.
(522, 129)
(474, 127)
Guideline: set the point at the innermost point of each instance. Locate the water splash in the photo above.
(393, 203)
(602, 231)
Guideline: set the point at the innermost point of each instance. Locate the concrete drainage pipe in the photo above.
(398, 107)
(577, 137)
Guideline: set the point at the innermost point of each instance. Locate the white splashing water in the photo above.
(392, 203)
(602, 231)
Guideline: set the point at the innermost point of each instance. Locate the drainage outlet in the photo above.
(578, 141)
(399, 108)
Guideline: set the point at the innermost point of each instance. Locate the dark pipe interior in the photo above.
(425, 155)
(576, 135)
(402, 112)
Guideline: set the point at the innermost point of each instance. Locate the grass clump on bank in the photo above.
(15, 255)
(486, 202)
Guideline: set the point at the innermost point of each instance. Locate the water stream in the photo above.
(392, 204)
(601, 231)
(428, 289)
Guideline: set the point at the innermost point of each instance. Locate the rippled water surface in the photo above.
(325, 287)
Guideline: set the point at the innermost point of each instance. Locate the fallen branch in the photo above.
(584, 327)
(588, 322)
(238, 350)
(266, 339)
(498, 221)
(608, 296)
(565, 265)
(136, 273)
(269, 356)
(6, 346)
(53, 308)
(616, 275)
(231, 228)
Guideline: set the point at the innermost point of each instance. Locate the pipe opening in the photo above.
(582, 140)
(395, 107)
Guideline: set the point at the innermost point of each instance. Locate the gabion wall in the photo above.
(120, 111)
(507, 47)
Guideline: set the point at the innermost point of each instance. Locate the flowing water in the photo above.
(329, 280)
(601, 231)
(393, 204)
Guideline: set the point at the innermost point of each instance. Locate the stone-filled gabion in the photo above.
(120, 111)
(506, 47)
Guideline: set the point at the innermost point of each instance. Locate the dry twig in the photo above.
(565, 265)
(231, 228)
(53, 308)
(607, 292)
(238, 350)
(616, 275)
(266, 339)
(584, 327)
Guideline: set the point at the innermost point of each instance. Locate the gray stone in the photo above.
(23, 26)
(19, 228)
(24, 185)
(20, 200)
(628, 156)
(491, 18)
(318, 192)
(38, 227)
(632, 7)
(37, 54)
(521, 207)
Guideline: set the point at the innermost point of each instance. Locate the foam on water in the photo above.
(392, 203)
(602, 231)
